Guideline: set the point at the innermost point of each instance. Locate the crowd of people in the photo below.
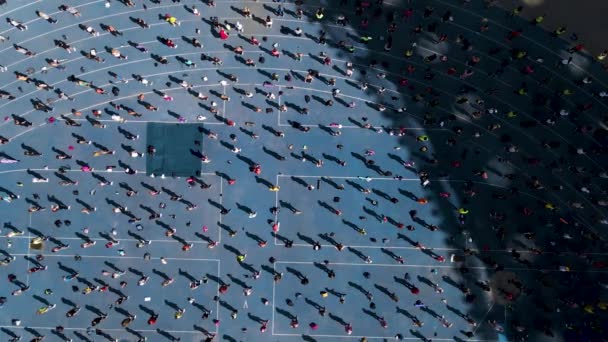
(560, 228)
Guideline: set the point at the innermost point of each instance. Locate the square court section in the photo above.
(358, 212)
(174, 154)
(362, 311)
(142, 302)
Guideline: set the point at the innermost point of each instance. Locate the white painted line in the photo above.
(38, 18)
(276, 205)
(437, 266)
(224, 102)
(150, 92)
(440, 249)
(24, 132)
(357, 127)
(112, 257)
(483, 319)
(122, 240)
(94, 171)
(74, 170)
(221, 203)
(386, 338)
(147, 121)
(105, 329)
(351, 177)
(445, 181)
(29, 236)
(273, 300)
(217, 304)
(18, 8)
(26, 96)
(88, 20)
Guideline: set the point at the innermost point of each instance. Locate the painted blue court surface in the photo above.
(440, 192)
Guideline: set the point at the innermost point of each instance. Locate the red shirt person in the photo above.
(223, 34)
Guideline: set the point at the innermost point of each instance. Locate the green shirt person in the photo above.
(365, 39)
(560, 30)
(319, 15)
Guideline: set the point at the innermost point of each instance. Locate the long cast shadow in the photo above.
(449, 102)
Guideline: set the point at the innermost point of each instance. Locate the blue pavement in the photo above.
(413, 187)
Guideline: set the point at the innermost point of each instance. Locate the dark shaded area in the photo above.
(586, 19)
(519, 171)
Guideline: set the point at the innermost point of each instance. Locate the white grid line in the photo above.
(483, 319)
(113, 257)
(386, 338)
(217, 303)
(276, 205)
(273, 300)
(102, 239)
(105, 329)
(221, 204)
(433, 248)
(224, 103)
(437, 266)
(28, 237)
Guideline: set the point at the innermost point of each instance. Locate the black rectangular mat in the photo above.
(174, 156)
